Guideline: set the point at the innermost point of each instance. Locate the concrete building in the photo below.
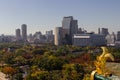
(81, 31)
(58, 36)
(37, 35)
(69, 28)
(117, 44)
(98, 30)
(49, 36)
(18, 35)
(49, 32)
(30, 38)
(39, 38)
(89, 40)
(104, 31)
(6, 38)
(111, 39)
(118, 36)
(24, 32)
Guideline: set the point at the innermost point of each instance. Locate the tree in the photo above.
(20, 52)
(8, 58)
(51, 63)
(9, 71)
(19, 76)
(38, 51)
(73, 72)
(62, 50)
(38, 75)
(20, 60)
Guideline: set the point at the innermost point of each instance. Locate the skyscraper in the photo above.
(104, 31)
(118, 36)
(18, 35)
(58, 36)
(98, 30)
(70, 27)
(24, 32)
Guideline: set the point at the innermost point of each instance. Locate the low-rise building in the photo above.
(89, 40)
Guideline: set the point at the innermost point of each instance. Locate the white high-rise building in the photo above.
(58, 36)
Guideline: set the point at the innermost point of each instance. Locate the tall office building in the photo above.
(58, 36)
(104, 31)
(70, 27)
(118, 36)
(18, 35)
(74, 27)
(98, 30)
(24, 32)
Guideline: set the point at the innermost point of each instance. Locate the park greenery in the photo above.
(49, 62)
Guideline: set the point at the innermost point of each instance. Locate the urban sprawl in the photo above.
(68, 34)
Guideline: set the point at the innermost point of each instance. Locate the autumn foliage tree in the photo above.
(9, 71)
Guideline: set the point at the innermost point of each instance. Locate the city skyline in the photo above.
(41, 15)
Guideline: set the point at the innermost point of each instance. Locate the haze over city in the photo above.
(42, 15)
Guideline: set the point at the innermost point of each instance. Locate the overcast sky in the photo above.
(42, 15)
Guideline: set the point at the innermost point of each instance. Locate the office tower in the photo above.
(58, 36)
(24, 32)
(70, 27)
(118, 36)
(74, 27)
(104, 31)
(18, 35)
(98, 30)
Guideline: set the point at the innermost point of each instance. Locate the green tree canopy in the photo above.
(73, 72)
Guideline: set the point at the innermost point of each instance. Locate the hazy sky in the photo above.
(42, 15)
